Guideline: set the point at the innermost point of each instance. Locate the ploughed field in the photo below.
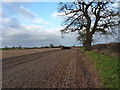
(67, 68)
(20, 52)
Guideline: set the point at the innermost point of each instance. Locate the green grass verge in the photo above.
(108, 68)
(82, 48)
(7, 49)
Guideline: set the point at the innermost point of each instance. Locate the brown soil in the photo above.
(12, 53)
(53, 69)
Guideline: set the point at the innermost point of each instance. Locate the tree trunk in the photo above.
(87, 43)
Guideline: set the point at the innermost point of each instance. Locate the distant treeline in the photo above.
(21, 47)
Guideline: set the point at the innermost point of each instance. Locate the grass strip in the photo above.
(108, 68)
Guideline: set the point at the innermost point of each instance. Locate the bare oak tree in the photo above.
(87, 18)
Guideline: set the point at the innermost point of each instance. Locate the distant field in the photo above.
(19, 52)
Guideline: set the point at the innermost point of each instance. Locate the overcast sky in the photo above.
(34, 24)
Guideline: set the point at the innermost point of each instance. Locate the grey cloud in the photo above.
(10, 23)
(25, 12)
(14, 33)
(38, 37)
(17, 10)
(28, 39)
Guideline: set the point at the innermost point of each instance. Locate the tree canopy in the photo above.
(87, 18)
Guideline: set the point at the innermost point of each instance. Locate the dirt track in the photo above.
(51, 69)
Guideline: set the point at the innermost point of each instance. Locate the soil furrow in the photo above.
(53, 69)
